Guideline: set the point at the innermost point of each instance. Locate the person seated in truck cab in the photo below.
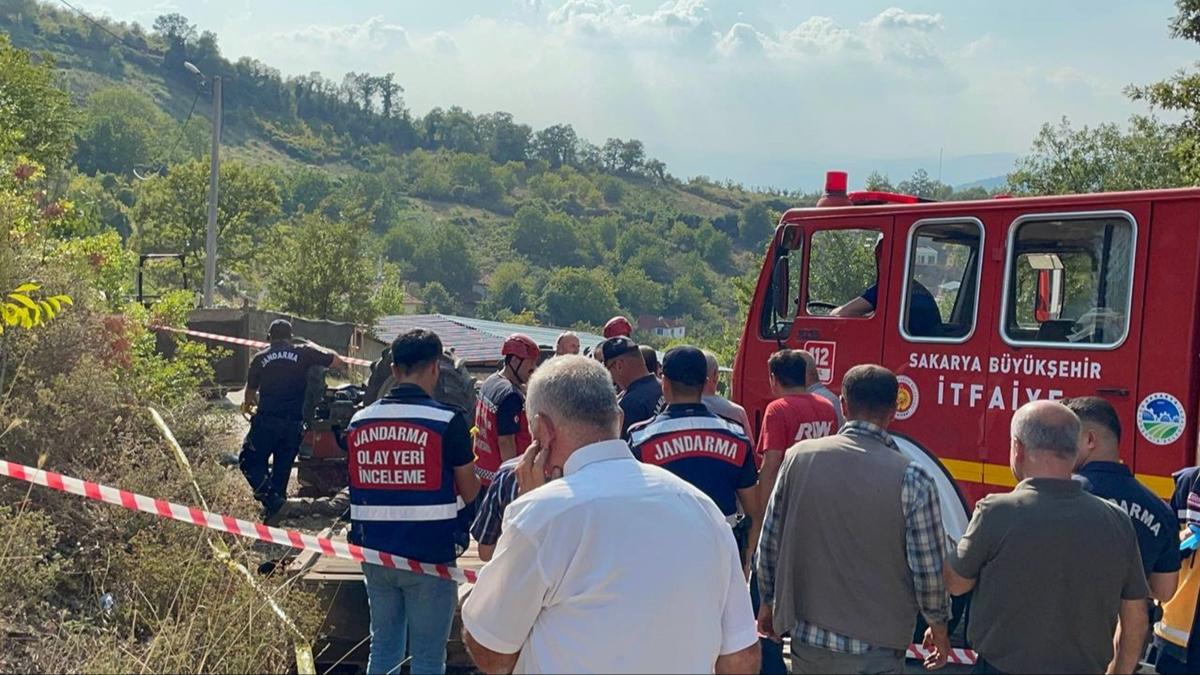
(924, 318)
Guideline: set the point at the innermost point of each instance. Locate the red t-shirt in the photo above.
(794, 418)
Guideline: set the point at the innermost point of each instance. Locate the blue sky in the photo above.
(766, 92)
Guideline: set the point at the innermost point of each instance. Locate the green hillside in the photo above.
(473, 213)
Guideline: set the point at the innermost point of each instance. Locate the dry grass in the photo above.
(94, 588)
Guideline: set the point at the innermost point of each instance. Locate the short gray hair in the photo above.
(1044, 427)
(574, 390)
(713, 364)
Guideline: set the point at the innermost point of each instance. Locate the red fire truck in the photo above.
(1036, 298)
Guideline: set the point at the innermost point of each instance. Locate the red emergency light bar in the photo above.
(873, 197)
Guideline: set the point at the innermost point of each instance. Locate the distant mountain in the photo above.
(986, 183)
(808, 175)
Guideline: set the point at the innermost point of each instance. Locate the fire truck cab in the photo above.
(982, 306)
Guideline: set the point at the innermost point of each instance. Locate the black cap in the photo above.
(685, 365)
(280, 329)
(618, 346)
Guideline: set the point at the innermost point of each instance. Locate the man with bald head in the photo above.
(1053, 567)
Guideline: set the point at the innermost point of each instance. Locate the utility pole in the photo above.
(210, 242)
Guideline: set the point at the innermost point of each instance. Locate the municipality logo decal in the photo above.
(1161, 419)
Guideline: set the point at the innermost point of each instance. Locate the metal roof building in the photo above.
(475, 340)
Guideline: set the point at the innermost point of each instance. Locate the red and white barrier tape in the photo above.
(245, 342)
(298, 540)
(213, 521)
(964, 657)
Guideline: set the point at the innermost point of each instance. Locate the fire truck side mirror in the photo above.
(780, 284)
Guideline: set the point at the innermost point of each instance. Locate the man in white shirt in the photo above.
(812, 380)
(618, 566)
(717, 404)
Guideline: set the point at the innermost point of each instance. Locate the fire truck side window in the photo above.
(1070, 281)
(841, 267)
(943, 281)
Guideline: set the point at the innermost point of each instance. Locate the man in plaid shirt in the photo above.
(851, 547)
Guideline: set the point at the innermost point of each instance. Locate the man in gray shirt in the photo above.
(717, 404)
(812, 380)
(1053, 567)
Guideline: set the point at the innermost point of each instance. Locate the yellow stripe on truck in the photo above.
(1001, 475)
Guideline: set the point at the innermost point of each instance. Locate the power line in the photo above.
(120, 40)
(182, 127)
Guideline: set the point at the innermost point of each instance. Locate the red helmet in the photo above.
(618, 325)
(521, 346)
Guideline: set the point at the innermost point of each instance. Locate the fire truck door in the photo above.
(1069, 321)
(939, 331)
(840, 319)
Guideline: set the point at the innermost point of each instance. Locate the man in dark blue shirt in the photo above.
(689, 441)
(275, 384)
(641, 391)
(923, 319)
(1103, 474)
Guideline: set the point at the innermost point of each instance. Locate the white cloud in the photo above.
(374, 34)
(705, 93)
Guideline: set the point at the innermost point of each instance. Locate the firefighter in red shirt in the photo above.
(502, 431)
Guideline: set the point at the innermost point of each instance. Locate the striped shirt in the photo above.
(502, 492)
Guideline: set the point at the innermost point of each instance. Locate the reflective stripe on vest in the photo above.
(386, 410)
(1179, 612)
(403, 513)
(691, 423)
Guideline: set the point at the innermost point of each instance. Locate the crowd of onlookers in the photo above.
(634, 521)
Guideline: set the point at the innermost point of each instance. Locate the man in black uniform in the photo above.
(1102, 473)
(711, 453)
(641, 392)
(275, 385)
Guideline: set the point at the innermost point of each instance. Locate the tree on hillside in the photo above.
(318, 268)
(36, 117)
(177, 32)
(1065, 160)
(878, 182)
(610, 154)
(171, 213)
(444, 254)
(1180, 93)
(576, 295)
(921, 184)
(504, 139)
(656, 169)
(556, 145)
(389, 95)
(632, 156)
(638, 293)
(508, 287)
(756, 224)
(120, 130)
(435, 299)
(544, 236)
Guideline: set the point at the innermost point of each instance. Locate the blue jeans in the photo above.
(403, 605)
